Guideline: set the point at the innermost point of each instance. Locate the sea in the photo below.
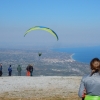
(82, 54)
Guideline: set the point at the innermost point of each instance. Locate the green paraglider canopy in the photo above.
(42, 28)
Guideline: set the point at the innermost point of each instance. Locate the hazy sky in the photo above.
(77, 22)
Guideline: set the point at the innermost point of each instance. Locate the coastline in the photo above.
(72, 57)
(82, 55)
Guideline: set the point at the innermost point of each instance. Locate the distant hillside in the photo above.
(51, 63)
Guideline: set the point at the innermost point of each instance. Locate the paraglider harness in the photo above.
(39, 54)
(89, 97)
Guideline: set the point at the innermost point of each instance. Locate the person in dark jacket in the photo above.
(90, 85)
(1, 69)
(31, 70)
(10, 70)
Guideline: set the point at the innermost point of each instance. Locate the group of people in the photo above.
(90, 84)
(29, 70)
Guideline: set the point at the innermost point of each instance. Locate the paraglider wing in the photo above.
(42, 28)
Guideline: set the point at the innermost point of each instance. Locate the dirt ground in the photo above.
(36, 88)
(59, 97)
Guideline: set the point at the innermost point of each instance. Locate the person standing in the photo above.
(90, 84)
(19, 69)
(31, 70)
(28, 71)
(1, 69)
(10, 70)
